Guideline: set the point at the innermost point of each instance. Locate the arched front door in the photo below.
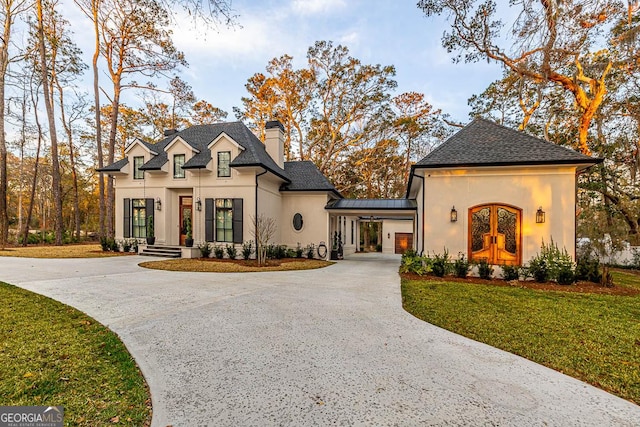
(495, 234)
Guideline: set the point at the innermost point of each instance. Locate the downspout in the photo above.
(422, 222)
(255, 218)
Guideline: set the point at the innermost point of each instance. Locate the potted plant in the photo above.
(335, 246)
(188, 241)
(151, 238)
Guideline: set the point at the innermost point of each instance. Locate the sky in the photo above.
(386, 32)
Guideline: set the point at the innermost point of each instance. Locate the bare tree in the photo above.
(264, 228)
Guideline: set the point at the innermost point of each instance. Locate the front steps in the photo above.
(162, 251)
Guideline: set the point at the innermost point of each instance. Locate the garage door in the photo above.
(404, 241)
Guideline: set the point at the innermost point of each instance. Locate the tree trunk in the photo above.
(4, 63)
(115, 107)
(55, 165)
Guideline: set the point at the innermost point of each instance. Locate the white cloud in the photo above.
(316, 7)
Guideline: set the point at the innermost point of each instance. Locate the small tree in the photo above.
(264, 228)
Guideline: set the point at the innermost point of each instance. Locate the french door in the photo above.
(495, 234)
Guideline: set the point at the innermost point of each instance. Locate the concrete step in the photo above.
(162, 251)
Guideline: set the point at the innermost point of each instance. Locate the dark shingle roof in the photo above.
(200, 136)
(485, 143)
(114, 167)
(372, 204)
(305, 176)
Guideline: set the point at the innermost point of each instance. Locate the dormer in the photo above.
(178, 153)
(136, 155)
(223, 150)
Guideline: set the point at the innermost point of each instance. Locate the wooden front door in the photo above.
(495, 234)
(186, 218)
(404, 241)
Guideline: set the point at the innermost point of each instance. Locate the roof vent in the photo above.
(168, 132)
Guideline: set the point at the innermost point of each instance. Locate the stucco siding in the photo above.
(389, 229)
(552, 188)
(315, 228)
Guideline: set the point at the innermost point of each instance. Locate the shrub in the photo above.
(311, 251)
(247, 249)
(440, 265)
(510, 272)
(218, 251)
(205, 249)
(299, 251)
(291, 253)
(415, 264)
(104, 244)
(485, 270)
(461, 266)
(232, 252)
(588, 265)
(126, 245)
(280, 251)
(134, 245)
(552, 264)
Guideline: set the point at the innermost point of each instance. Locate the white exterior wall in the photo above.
(315, 218)
(389, 229)
(552, 188)
(269, 202)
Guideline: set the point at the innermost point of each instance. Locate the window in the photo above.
(178, 162)
(224, 158)
(139, 218)
(224, 220)
(297, 222)
(137, 162)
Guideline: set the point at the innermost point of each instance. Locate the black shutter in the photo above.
(126, 227)
(208, 220)
(148, 206)
(237, 220)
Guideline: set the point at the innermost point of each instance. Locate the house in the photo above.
(488, 192)
(495, 193)
(219, 177)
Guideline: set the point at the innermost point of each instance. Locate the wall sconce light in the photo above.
(388, 235)
(540, 215)
(454, 214)
(158, 204)
(198, 204)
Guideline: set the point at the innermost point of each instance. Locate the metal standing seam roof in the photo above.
(485, 143)
(372, 204)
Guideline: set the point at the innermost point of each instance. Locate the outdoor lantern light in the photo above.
(198, 204)
(454, 214)
(158, 204)
(540, 215)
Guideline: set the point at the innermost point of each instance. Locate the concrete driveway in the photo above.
(322, 347)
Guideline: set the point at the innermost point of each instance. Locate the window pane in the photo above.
(178, 162)
(137, 162)
(224, 158)
(139, 218)
(224, 220)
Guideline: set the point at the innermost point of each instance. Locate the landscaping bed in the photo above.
(215, 265)
(64, 251)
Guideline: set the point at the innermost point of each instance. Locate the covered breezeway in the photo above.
(356, 223)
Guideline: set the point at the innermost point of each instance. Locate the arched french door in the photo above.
(495, 234)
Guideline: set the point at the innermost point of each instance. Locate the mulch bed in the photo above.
(254, 263)
(583, 287)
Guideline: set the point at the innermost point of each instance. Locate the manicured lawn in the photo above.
(66, 251)
(52, 354)
(212, 265)
(592, 337)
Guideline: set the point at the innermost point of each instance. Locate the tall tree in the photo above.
(9, 11)
(135, 42)
(552, 40)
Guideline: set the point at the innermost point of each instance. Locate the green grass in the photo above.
(595, 338)
(52, 354)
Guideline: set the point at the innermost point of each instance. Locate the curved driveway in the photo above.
(321, 347)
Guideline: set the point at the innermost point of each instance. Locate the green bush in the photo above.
(440, 265)
(415, 264)
(311, 251)
(247, 249)
(231, 251)
(510, 272)
(218, 251)
(485, 270)
(552, 264)
(566, 275)
(298, 251)
(461, 266)
(104, 244)
(126, 245)
(205, 249)
(280, 251)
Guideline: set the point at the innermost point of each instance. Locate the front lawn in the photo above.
(65, 251)
(592, 337)
(52, 354)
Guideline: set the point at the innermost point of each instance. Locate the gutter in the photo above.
(423, 192)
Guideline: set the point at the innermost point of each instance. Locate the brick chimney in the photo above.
(274, 141)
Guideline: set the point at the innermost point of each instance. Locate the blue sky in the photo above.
(375, 31)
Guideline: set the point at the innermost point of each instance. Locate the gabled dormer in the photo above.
(223, 149)
(178, 152)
